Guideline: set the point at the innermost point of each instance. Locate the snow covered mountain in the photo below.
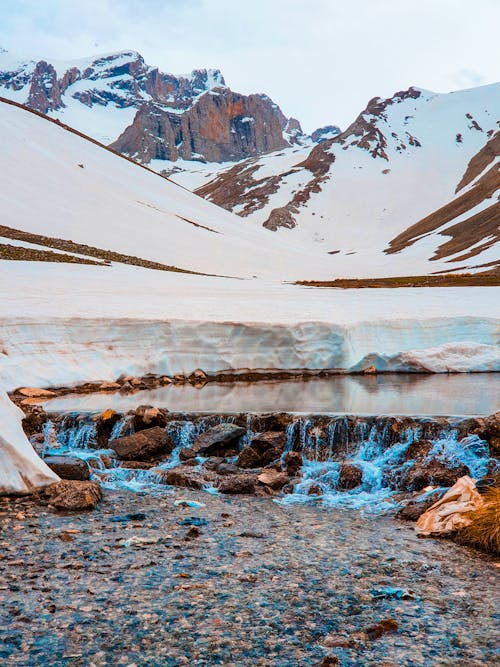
(416, 174)
(147, 114)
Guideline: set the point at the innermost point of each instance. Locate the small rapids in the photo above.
(379, 451)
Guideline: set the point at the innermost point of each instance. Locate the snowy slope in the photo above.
(58, 184)
(401, 160)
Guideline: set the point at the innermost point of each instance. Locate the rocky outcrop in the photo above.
(195, 117)
(220, 126)
(218, 440)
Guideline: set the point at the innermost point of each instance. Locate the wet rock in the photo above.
(74, 495)
(270, 440)
(182, 476)
(350, 477)
(414, 509)
(293, 463)
(186, 453)
(147, 416)
(273, 479)
(418, 449)
(218, 440)
(34, 420)
(143, 446)
(137, 465)
(315, 490)
(271, 456)
(109, 386)
(68, 467)
(249, 458)
(227, 469)
(104, 427)
(213, 462)
(290, 485)
(433, 473)
(238, 484)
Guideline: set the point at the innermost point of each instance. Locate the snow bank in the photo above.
(21, 470)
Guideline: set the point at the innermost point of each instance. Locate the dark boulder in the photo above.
(433, 472)
(350, 477)
(186, 453)
(69, 467)
(238, 484)
(146, 416)
(293, 463)
(143, 446)
(269, 440)
(249, 458)
(219, 440)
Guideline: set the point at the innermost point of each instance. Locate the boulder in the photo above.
(273, 479)
(227, 469)
(74, 495)
(184, 477)
(269, 440)
(238, 484)
(146, 416)
(249, 458)
(68, 467)
(137, 465)
(186, 453)
(350, 477)
(143, 446)
(293, 463)
(219, 440)
(433, 472)
(213, 462)
(104, 426)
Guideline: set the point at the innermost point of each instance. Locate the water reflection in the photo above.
(412, 394)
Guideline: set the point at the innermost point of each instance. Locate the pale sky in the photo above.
(320, 60)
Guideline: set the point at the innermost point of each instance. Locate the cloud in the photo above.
(321, 60)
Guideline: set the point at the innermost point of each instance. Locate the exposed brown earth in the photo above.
(15, 253)
(79, 248)
(484, 279)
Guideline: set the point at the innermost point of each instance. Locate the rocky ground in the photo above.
(240, 581)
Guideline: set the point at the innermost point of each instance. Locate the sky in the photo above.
(320, 60)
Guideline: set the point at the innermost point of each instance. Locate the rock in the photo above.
(350, 477)
(381, 628)
(433, 473)
(35, 392)
(34, 420)
(68, 467)
(290, 485)
(329, 661)
(418, 449)
(186, 453)
(104, 426)
(238, 484)
(218, 440)
(109, 386)
(198, 378)
(270, 440)
(146, 416)
(227, 469)
(315, 490)
(248, 458)
(143, 446)
(213, 462)
(274, 479)
(182, 476)
(137, 465)
(293, 463)
(74, 495)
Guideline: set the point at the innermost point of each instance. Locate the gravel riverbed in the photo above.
(239, 582)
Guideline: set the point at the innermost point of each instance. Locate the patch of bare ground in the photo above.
(481, 230)
(82, 249)
(16, 253)
(489, 278)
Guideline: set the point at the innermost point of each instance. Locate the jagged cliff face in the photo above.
(220, 126)
(148, 114)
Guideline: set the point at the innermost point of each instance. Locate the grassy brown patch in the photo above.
(484, 531)
(486, 278)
